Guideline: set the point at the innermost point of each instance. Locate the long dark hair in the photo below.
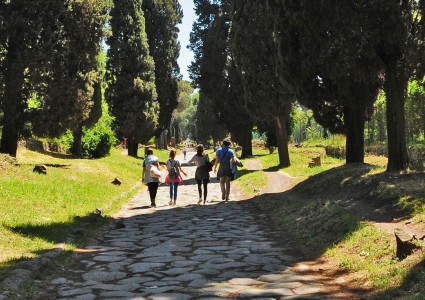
(200, 150)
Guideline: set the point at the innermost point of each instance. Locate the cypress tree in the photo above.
(329, 64)
(131, 92)
(47, 52)
(254, 49)
(31, 37)
(213, 71)
(162, 18)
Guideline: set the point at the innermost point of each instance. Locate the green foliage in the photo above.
(53, 62)
(98, 140)
(162, 18)
(131, 92)
(415, 111)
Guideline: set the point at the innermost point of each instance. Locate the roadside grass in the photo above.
(310, 211)
(40, 211)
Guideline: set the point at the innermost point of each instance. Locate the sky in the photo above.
(186, 56)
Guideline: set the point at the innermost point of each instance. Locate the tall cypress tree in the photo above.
(254, 49)
(213, 71)
(162, 18)
(330, 65)
(47, 54)
(72, 89)
(31, 37)
(131, 92)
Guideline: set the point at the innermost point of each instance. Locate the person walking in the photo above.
(225, 156)
(173, 178)
(150, 162)
(202, 176)
(184, 151)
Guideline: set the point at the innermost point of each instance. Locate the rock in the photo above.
(40, 169)
(119, 224)
(406, 243)
(315, 162)
(116, 181)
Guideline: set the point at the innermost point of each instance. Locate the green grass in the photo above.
(40, 211)
(251, 182)
(314, 218)
(299, 158)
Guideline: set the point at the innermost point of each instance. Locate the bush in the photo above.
(417, 156)
(96, 144)
(335, 151)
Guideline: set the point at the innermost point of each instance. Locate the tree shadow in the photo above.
(77, 228)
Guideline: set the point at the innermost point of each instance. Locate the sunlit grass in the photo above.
(38, 211)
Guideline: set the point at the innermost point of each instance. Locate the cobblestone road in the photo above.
(221, 250)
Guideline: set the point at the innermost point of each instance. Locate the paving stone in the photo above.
(144, 267)
(73, 292)
(88, 296)
(309, 289)
(255, 292)
(170, 296)
(245, 281)
(102, 276)
(117, 294)
(177, 271)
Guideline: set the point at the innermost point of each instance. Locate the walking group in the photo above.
(224, 158)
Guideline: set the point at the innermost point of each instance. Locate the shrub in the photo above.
(417, 156)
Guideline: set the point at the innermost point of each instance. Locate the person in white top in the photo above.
(202, 176)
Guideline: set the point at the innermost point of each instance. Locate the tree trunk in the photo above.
(13, 104)
(76, 144)
(133, 146)
(282, 141)
(395, 90)
(354, 120)
(245, 141)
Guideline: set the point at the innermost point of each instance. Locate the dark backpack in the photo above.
(173, 173)
(208, 164)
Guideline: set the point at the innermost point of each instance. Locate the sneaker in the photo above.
(171, 202)
(223, 195)
(174, 203)
(199, 201)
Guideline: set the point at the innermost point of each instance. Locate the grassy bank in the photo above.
(313, 211)
(40, 211)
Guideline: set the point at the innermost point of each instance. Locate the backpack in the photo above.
(173, 172)
(208, 164)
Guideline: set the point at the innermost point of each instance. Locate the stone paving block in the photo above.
(255, 293)
(73, 292)
(144, 267)
(176, 271)
(117, 294)
(88, 296)
(102, 276)
(170, 296)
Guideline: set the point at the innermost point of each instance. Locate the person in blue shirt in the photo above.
(224, 156)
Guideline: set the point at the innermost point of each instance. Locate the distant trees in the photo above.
(131, 92)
